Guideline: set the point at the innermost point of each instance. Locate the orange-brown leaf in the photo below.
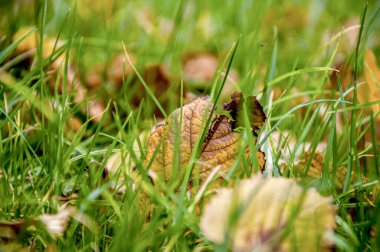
(220, 147)
(370, 91)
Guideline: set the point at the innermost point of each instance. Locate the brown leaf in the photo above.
(94, 78)
(56, 224)
(156, 76)
(370, 92)
(158, 79)
(15, 230)
(200, 67)
(10, 230)
(120, 69)
(73, 124)
(235, 107)
(56, 69)
(199, 70)
(220, 147)
(315, 170)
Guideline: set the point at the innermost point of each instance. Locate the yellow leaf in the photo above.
(269, 214)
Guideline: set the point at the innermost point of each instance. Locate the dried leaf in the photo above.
(56, 224)
(158, 79)
(316, 168)
(123, 160)
(120, 70)
(96, 110)
(371, 90)
(259, 212)
(94, 78)
(199, 70)
(256, 116)
(220, 147)
(73, 124)
(156, 76)
(10, 230)
(65, 199)
(57, 66)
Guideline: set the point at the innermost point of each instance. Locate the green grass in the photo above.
(279, 50)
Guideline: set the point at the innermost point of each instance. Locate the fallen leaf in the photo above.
(120, 70)
(269, 214)
(123, 160)
(199, 69)
(345, 74)
(10, 230)
(73, 124)
(94, 78)
(220, 147)
(96, 110)
(56, 224)
(158, 76)
(56, 68)
(314, 176)
(370, 91)
(256, 115)
(56, 73)
(367, 91)
(158, 79)
(316, 169)
(65, 199)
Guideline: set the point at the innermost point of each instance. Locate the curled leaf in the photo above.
(272, 214)
(256, 115)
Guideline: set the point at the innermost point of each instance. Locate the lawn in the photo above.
(189, 125)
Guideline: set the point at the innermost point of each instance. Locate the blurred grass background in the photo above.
(40, 159)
